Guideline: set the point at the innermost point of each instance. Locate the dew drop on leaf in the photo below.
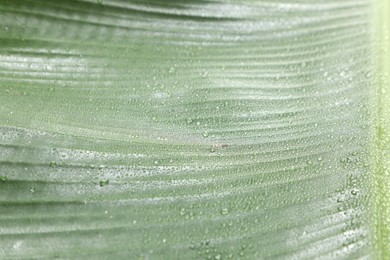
(225, 211)
(103, 183)
(53, 164)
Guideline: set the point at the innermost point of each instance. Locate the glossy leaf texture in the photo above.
(195, 129)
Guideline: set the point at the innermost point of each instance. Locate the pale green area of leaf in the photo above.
(194, 129)
(382, 142)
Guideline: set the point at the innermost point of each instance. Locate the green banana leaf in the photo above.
(195, 129)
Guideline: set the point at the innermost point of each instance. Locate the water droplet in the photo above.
(367, 74)
(103, 183)
(53, 164)
(217, 257)
(225, 211)
(32, 189)
(182, 211)
(354, 192)
(205, 134)
(212, 149)
(17, 244)
(164, 240)
(320, 158)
